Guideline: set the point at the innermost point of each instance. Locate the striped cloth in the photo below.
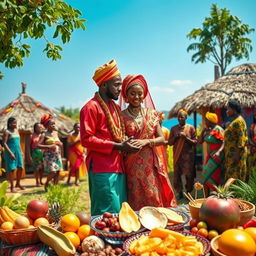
(28, 250)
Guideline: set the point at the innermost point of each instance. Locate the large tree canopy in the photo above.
(221, 38)
(21, 19)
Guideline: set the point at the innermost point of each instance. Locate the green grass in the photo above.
(68, 196)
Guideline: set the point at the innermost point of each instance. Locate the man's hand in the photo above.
(183, 135)
(129, 145)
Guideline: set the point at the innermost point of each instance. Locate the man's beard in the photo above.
(111, 95)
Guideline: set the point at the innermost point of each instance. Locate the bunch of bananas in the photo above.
(6, 214)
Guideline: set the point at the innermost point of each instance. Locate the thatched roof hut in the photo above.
(239, 83)
(28, 111)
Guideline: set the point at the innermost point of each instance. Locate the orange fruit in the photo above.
(41, 221)
(252, 232)
(21, 222)
(7, 225)
(73, 238)
(236, 242)
(84, 231)
(70, 223)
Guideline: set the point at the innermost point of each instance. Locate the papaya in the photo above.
(128, 219)
(56, 240)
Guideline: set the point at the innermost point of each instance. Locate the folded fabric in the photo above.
(28, 250)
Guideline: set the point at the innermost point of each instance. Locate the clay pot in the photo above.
(194, 209)
(215, 247)
(246, 215)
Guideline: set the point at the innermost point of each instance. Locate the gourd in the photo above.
(128, 219)
(56, 240)
(92, 244)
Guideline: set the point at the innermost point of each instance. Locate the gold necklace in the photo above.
(138, 119)
(117, 131)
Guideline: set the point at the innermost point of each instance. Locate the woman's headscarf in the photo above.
(131, 80)
(235, 105)
(45, 119)
(212, 117)
(183, 111)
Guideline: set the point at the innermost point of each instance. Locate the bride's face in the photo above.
(135, 95)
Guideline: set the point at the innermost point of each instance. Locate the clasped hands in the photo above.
(134, 145)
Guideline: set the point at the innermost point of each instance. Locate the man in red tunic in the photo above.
(103, 134)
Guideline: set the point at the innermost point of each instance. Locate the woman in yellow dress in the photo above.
(235, 141)
(76, 155)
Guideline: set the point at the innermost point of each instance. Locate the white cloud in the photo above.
(161, 89)
(181, 82)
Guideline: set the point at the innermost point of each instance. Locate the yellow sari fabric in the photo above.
(73, 156)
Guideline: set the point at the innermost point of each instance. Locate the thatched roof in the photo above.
(28, 111)
(239, 83)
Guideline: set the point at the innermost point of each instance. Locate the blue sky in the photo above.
(143, 36)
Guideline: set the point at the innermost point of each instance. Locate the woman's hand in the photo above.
(12, 156)
(140, 143)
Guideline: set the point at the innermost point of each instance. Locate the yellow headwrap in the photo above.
(183, 111)
(106, 72)
(162, 116)
(212, 117)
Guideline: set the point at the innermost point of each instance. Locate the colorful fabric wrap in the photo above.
(131, 80)
(106, 72)
(183, 111)
(212, 117)
(45, 119)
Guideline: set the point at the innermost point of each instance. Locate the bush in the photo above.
(67, 197)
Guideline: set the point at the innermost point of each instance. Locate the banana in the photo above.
(9, 214)
(13, 215)
(5, 216)
(1, 220)
(56, 240)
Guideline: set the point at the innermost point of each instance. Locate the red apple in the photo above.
(37, 208)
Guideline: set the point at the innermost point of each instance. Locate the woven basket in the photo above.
(20, 236)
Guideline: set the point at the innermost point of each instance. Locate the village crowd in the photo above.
(126, 158)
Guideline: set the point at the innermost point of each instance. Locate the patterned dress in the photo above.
(36, 153)
(147, 179)
(183, 157)
(52, 157)
(212, 170)
(252, 156)
(235, 137)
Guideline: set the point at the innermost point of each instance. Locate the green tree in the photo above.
(21, 19)
(221, 38)
(70, 112)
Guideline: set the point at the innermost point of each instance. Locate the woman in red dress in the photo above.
(147, 178)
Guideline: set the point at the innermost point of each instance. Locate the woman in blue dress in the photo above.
(12, 153)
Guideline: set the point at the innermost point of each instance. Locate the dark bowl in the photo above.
(112, 237)
(204, 241)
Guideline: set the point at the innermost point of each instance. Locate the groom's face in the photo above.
(114, 88)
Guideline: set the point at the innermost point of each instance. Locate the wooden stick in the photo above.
(190, 199)
(204, 192)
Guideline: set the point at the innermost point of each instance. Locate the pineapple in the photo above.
(55, 212)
